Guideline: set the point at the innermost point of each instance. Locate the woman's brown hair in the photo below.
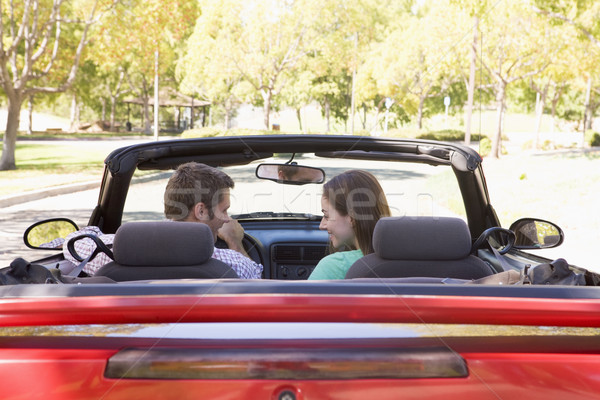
(358, 194)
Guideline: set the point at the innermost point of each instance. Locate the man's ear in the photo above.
(200, 211)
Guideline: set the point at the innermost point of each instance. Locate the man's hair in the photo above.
(194, 183)
(358, 194)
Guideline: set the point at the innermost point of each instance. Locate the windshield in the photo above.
(411, 189)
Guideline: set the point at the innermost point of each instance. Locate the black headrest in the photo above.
(144, 243)
(421, 238)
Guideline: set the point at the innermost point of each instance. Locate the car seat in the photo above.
(420, 247)
(164, 250)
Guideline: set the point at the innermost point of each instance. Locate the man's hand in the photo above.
(233, 233)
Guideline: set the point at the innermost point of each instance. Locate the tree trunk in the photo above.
(147, 120)
(555, 100)
(75, 114)
(7, 162)
(299, 116)
(471, 88)
(30, 115)
(267, 107)
(540, 114)
(497, 142)
(113, 110)
(420, 112)
(227, 118)
(586, 111)
(327, 115)
(588, 121)
(103, 110)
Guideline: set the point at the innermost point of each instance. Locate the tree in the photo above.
(562, 53)
(205, 69)
(513, 49)
(32, 34)
(478, 10)
(264, 41)
(583, 17)
(129, 40)
(424, 67)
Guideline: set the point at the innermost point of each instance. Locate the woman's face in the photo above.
(338, 226)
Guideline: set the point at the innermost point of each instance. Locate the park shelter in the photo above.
(169, 97)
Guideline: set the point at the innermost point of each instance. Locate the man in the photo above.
(200, 193)
(194, 193)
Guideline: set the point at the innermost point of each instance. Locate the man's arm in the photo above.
(243, 266)
(233, 233)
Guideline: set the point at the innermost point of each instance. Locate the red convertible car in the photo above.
(450, 305)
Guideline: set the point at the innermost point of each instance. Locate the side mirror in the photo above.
(49, 234)
(536, 234)
(290, 174)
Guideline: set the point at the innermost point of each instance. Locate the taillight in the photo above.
(286, 363)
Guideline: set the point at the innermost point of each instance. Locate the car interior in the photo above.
(442, 225)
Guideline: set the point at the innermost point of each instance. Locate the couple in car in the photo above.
(352, 203)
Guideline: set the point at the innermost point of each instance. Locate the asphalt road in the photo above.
(15, 220)
(78, 206)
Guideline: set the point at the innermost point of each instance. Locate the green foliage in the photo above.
(485, 146)
(592, 138)
(448, 135)
(548, 145)
(47, 232)
(212, 132)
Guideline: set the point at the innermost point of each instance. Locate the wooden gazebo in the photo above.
(169, 97)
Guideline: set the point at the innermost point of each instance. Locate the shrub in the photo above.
(200, 132)
(528, 145)
(209, 131)
(449, 135)
(548, 145)
(485, 146)
(594, 140)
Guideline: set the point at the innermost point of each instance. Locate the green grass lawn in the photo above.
(68, 160)
(48, 164)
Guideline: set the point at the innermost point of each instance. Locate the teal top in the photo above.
(335, 266)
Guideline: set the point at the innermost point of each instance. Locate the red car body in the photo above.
(501, 366)
(279, 338)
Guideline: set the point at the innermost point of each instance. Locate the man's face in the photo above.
(220, 216)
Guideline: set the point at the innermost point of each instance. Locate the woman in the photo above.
(352, 203)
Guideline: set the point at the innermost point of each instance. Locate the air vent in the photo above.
(299, 252)
(314, 253)
(287, 253)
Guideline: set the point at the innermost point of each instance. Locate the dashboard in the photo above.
(288, 249)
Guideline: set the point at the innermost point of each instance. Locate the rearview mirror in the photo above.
(536, 234)
(290, 174)
(49, 234)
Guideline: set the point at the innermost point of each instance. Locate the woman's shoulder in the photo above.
(342, 256)
(335, 266)
(346, 255)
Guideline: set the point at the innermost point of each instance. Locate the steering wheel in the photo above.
(498, 232)
(249, 244)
